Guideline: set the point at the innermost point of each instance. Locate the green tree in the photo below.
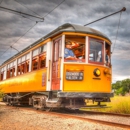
(116, 87)
(121, 87)
(128, 84)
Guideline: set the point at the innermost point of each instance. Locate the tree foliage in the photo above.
(121, 87)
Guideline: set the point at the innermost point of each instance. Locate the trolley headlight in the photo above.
(107, 71)
(97, 72)
(74, 76)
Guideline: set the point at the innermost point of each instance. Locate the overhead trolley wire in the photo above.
(14, 48)
(30, 10)
(120, 11)
(11, 46)
(117, 32)
(27, 7)
(20, 13)
(54, 8)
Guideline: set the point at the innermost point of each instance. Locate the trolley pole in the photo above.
(123, 9)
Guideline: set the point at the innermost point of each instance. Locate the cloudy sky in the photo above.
(19, 31)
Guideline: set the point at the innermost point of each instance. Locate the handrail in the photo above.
(49, 67)
(59, 75)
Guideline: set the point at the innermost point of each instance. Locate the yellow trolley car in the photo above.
(61, 69)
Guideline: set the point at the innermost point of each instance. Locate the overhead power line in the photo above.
(120, 11)
(18, 39)
(14, 48)
(27, 7)
(30, 10)
(123, 9)
(117, 32)
(54, 8)
(20, 13)
(30, 28)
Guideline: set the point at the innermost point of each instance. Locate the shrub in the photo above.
(1, 94)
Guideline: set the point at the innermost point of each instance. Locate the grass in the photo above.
(118, 104)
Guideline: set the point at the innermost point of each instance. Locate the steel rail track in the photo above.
(93, 120)
(103, 113)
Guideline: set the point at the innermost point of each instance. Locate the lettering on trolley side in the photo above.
(15, 84)
(44, 79)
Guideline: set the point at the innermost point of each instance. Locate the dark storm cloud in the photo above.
(81, 12)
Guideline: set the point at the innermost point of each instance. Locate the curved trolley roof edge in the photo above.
(63, 28)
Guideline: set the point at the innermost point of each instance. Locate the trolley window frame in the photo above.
(102, 51)
(80, 59)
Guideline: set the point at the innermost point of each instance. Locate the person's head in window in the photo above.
(69, 54)
(106, 51)
(68, 45)
(107, 59)
(99, 57)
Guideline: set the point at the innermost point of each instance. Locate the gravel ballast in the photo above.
(19, 119)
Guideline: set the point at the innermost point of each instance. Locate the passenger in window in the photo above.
(107, 59)
(99, 57)
(69, 54)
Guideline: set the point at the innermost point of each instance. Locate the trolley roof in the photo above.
(76, 28)
(68, 27)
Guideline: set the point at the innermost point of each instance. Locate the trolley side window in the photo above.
(23, 64)
(107, 55)
(3, 73)
(42, 56)
(35, 60)
(39, 58)
(11, 69)
(1, 78)
(95, 51)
